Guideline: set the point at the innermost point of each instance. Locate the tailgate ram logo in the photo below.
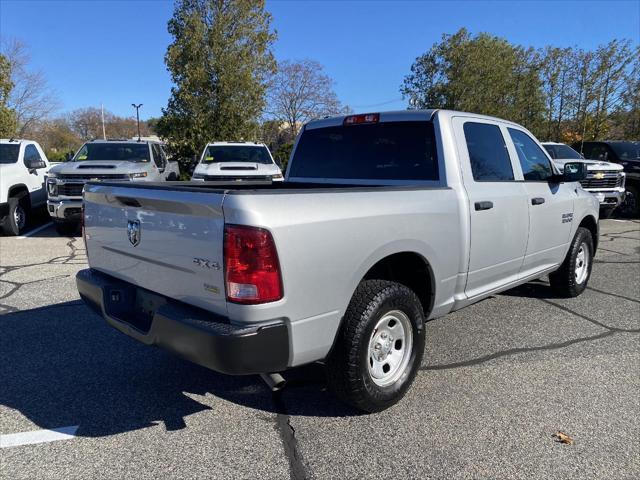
(133, 232)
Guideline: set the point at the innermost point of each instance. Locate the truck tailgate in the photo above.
(171, 244)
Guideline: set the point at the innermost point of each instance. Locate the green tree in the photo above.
(8, 122)
(482, 74)
(219, 60)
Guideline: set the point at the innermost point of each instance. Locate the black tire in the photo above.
(564, 281)
(17, 209)
(67, 229)
(348, 363)
(606, 213)
(172, 177)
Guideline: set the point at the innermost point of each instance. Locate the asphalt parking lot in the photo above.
(498, 380)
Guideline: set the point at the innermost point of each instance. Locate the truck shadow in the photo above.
(62, 365)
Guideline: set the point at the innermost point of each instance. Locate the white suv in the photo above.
(237, 161)
(23, 166)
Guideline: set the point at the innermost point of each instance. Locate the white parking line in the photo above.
(34, 231)
(37, 436)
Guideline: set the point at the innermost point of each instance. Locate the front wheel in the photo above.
(16, 218)
(379, 347)
(572, 277)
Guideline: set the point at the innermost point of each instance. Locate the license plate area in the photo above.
(133, 306)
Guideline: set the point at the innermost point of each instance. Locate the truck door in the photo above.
(499, 216)
(35, 178)
(550, 204)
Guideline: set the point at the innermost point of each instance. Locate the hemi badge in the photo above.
(211, 288)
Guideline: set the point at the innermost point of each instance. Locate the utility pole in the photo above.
(137, 107)
(104, 133)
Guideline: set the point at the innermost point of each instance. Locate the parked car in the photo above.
(237, 161)
(624, 153)
(125, 160)
(605, 180)
(386, 220)
(23, 166)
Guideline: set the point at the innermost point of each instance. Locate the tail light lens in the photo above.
(252, 270)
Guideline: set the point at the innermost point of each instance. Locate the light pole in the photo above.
(137, 107)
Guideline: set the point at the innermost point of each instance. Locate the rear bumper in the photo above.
(194, 334)
(65, 210)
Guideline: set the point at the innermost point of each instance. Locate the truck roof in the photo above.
(236, 144)
(401, 115)
(123, 140)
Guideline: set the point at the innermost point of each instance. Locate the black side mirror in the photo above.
(68, 156)
(574, 172)
(34, 163)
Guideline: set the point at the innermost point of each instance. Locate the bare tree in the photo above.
(300, 91)
(30, 98)
(86, 123)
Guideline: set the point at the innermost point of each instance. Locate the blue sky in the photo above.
(112, 52)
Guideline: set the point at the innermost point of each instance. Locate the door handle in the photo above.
(537, 201)
(484, 205)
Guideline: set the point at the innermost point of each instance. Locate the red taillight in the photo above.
(252, 270)
(362, 118)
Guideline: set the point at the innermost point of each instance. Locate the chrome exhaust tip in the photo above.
(274, 381)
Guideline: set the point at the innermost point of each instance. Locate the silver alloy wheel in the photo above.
(19, 217)
(390, 348)
(582, 263)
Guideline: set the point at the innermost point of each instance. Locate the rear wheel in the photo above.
(572, 277)
(16, 218)
(379, 347)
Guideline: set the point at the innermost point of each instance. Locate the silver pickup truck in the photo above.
(385, 221)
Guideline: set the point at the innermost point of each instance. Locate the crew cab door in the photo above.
(35, 178)
(498, 210)
(550, 204)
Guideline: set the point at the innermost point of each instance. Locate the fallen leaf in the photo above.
(562, 437)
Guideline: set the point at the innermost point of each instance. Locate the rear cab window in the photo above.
(9, 152)
(386, 151)
(488, 153)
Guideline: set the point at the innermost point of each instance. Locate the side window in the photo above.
(163, 155)
(535, 164)
(599, 152)
(487, 153)
(31, 153)
(157, 155)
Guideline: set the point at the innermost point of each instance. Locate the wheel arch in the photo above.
(410, 269)
(590, 223)
(19, 190)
